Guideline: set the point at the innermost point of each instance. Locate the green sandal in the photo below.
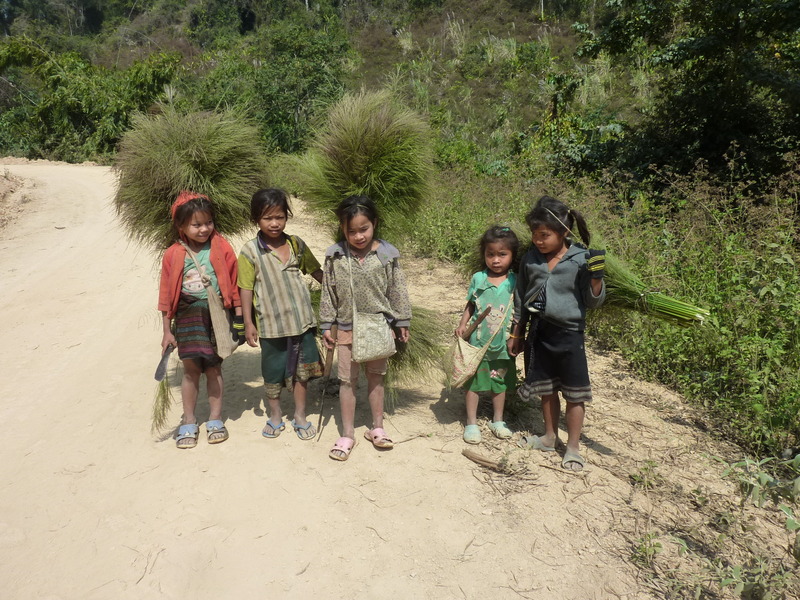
(500, 430)
(472, 434)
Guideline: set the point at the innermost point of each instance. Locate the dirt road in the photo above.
(93, 506)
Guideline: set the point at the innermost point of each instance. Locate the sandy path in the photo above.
(93, 506)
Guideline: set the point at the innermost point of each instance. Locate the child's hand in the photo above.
(328, 340)
(460, 331)
(403, 334)
(514, 346)
(167, 340)
(251, 335)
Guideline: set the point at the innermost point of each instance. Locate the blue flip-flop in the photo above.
(276, 429)
(308, 430)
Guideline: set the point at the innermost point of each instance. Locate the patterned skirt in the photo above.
(194, 332)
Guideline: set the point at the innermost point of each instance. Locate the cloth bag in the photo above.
(372, 336)
(221, 318)
(463, 358)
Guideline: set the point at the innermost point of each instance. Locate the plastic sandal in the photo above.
(216, 432)
(276, 429)
(379, 438)
(342, 448)
(534, 442)
(186, 432)
(472, 434)
(500, 430)
(572, 457)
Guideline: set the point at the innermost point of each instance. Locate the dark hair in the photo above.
(268, 198)
(185, 212)
(353, 206)
(555, 215)
(504, 235)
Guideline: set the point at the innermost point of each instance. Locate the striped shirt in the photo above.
(281, 298)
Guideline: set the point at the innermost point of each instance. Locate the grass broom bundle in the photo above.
(215, 154)
(162, 403)
(370, 145)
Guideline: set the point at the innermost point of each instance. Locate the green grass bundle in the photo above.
(626, 290)
(370, 145)
(215, 154)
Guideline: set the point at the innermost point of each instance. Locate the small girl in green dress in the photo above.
(492, 287)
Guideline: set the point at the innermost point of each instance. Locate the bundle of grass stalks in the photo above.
(373, 146)
(219, 155)
(625, 289)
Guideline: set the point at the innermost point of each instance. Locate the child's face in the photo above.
(547, 240)
(272, 223)
(198, 228)
(497, 257)
(359, 232)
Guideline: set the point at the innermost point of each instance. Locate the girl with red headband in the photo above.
(183, 298)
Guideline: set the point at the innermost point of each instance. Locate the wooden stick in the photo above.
(482, 460)
(471, 329)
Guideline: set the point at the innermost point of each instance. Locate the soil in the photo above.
(95, 506)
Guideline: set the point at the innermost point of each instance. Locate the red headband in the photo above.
(184, 197)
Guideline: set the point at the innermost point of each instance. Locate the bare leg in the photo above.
(376, 393)
(575, 415)
(347, 403)
(471, 400)
(347, 397)
(214, 386)
(275, 414)
(300, 393)
(498, 406)
(190, 386)
(551, 413)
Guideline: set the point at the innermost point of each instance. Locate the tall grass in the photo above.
(217, 154)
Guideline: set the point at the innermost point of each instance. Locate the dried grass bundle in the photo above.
(370, 145)
(219, 155)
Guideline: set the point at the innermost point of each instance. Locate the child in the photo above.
(492, 288)
(379, 288)
(183, 297)
(271, 281)
(556, 282)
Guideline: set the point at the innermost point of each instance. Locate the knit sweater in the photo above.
(378, 282)
(567, 287)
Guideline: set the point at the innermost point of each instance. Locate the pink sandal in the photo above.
(343, 445)
(379, 438)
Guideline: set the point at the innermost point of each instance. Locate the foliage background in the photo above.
(673, 125)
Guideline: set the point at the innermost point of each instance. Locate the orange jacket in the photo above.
(223, 259)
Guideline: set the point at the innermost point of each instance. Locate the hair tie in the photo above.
(184, 197)
(505, 229)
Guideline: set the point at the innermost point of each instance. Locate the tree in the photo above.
(730, 76)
